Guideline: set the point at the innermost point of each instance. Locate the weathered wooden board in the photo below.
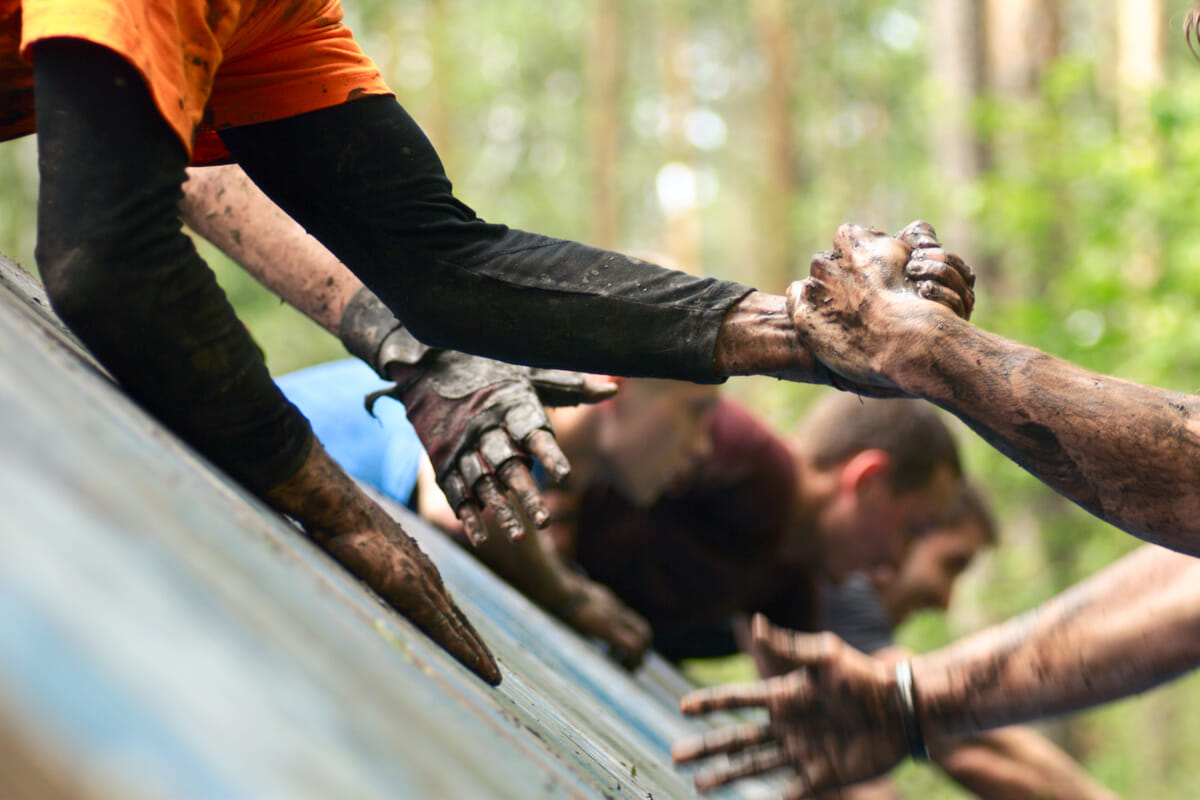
(163, 635)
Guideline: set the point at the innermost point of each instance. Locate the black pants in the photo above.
(364, 180)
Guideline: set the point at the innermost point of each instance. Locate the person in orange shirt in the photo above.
(128, 93)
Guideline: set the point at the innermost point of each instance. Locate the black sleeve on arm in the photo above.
(122, 274)
(365, 181)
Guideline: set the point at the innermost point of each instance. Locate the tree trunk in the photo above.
(775, 268)
(603, 74)
(956, 65)
(1023, 36)
(679, 175)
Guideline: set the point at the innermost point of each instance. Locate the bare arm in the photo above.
(1011, 763)
(1125, 452)
(1128, 628)
(224, 206)
(836, 715)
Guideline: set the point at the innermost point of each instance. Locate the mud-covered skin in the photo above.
(827, 711)
(365, 540)
(531, 565)
(224, 206)
(1125, 630)
(601, 614)
(835, 717)
(1125, 452)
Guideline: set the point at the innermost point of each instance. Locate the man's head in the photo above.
(934, 561)
(874, 475)
(653, 433)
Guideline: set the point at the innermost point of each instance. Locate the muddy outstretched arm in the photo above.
(1125, 630)
(1125, 452)
(837, 717)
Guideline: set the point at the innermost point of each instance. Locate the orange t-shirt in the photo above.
(209, 64)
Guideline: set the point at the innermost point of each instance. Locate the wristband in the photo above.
(908, 711)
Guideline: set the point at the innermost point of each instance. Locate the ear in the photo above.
(863, 468)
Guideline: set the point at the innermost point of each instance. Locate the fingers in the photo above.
(918, 233)
(392, 564)
(854, 242)
(744, 765)
(417, 590)
(798, 650)
(561, 388)
(472, 522)
(730, 739)
(542, 445)
(721, 698)
(928, 268)
(445, 623)
(493, 499)
(488, 475)
(455, 489)
(598, 387)
(777, 642)
(849, 236)
(515, 475)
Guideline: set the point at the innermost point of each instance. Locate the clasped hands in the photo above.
(866, 303)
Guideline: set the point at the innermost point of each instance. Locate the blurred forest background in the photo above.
(1052, 143)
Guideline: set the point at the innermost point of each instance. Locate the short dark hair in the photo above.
(911, 432)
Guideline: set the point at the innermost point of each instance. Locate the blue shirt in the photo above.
(381, 451)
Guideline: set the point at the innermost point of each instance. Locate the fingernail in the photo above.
(475, 533)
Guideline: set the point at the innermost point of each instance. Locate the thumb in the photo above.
(556, 387)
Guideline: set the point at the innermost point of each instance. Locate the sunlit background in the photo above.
(1056, 145)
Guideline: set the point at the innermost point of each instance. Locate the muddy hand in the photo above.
(834, 718)
(365, 540)
(859, 310)
(482, 422)
(392, 564)
(599, 613)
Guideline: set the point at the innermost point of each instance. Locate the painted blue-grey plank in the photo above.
(163, 635)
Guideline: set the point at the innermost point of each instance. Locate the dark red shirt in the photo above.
(706, 551)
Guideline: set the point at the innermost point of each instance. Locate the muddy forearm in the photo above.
(1126, 629)
(224, 206)
(1125, 452)
(759, 338)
